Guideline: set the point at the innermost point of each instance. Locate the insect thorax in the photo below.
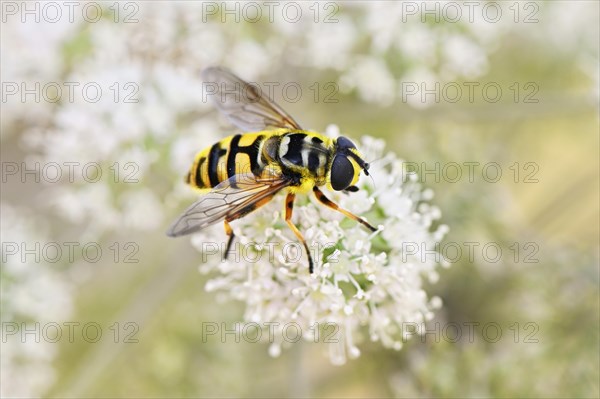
(301, 152)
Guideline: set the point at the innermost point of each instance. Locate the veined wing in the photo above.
(245, 105)
(231, 199)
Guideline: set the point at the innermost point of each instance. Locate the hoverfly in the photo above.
(243, 172)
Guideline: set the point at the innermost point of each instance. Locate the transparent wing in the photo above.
(245, 105)
(231, 200)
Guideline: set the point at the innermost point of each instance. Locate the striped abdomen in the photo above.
(228, 157)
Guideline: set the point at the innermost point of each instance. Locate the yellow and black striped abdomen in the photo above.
(228, 157)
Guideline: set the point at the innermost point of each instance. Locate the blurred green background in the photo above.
(367, 52)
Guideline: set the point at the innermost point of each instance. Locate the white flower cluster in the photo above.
(363, 279)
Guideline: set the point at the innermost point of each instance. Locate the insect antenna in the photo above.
(376, 160)
(370, 175)
(373, 180)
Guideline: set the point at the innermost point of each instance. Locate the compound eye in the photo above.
(342, 172)
(344, 143)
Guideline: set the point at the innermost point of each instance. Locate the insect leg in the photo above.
(326, 201)
(241, 213)
(289, 207)
(229, 232)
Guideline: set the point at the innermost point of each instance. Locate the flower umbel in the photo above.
(363, 281)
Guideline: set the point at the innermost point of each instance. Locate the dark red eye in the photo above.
(342, 172)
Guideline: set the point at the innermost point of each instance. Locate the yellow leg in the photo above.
(326, 201)
(289, 207)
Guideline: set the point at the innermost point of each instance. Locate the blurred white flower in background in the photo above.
(418, 43)
(362, 279)
(35, 56)
(34, 291)
(464, 57)
(379, 88)
(320, 39)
